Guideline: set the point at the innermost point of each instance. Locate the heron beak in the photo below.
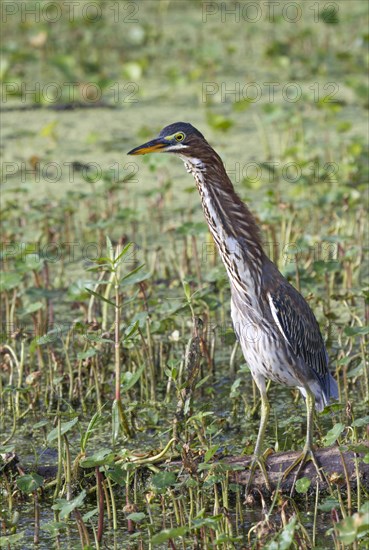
(152, 146)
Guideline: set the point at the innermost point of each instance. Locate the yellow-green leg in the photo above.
(258, 459)
(307, 453)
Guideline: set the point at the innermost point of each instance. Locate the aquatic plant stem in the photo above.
(121, 412)
(113, 504)
(100, 503)
(60, 464)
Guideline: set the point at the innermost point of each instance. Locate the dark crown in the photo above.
(184, 127)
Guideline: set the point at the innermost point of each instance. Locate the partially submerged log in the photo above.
(339, 468)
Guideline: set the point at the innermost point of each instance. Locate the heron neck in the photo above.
(231, 223)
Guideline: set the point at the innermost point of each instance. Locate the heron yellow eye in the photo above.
(179, 136)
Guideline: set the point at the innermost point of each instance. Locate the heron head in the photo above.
(180, 138)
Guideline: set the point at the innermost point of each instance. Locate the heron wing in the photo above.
(299, 328)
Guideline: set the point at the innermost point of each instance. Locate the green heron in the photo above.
(277, 331)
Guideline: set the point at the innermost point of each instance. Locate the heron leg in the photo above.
(258, 458)
(307, 453)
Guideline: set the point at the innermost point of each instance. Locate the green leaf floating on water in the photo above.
(8, 281)
(163, 480)
(136, 516)
(285, 537)
(360, 422)
(129, 379)
(64, 428)
(90, 514)
(211, 452)
(32, 308)
(67, 506)
(100, 458)
(29, 482)
(352, 331)
(302, 485)
(6, 542)
(167, 534)
(329, 504)
(353, 528)
(333, 434)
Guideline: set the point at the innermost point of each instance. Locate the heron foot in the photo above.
(306, 455)
(259, 462)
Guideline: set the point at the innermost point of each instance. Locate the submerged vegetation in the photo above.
(123, 390)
